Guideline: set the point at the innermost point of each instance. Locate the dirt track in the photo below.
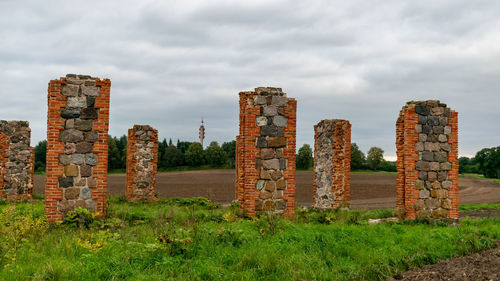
(368, 191)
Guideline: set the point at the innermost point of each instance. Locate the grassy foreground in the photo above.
(194, 239)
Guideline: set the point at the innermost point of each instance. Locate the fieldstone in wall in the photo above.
(77, 151)
(142, 163)
(332, 164)
(16, 160)
(427, 150)
(265, 181)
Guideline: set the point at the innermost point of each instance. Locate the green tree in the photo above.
(173, 157)
(114, 155)
(489, 162)
(358, 158)
(375, 157)
(230, 149)
(304, 157)
(40, 156)
(194, 155)
(215, 155)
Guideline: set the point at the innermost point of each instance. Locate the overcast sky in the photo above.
(173, 62)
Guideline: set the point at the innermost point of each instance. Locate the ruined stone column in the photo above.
(77, 145)
(427, 150)
(16, 160)
(265, 156)
(332, 164)
(142, 163)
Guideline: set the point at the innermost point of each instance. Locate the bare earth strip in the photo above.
(368, 191)
(480, 266)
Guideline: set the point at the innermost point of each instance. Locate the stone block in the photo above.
(440, 156)
(447, 130)
(440, 213)
(272, 131)
(83, 124)
(422, 166)
(84, 147)
(71, 171)
(90, 91)
(65, 182)
(267, 153)
(446, 166)
(283, 164)
(64, 159)
(442, 138)
(279, 101)
(260, 184)
(270, 186)
(419, 184)
(69, 113)
(71, 193)
(77, 102)
(280, 121)
(276, 141)
(434, 166)
(261, 121)
(91, 159)
(424, 193)
(276, 175)
(270, 111)
(89, 113)
(273, 164)
(427, 156)
(91, 136)
(85, 170)
(261, 142)
(71, 135)
(70, 90)
(77, 159)
(432, 176)
(447, 184)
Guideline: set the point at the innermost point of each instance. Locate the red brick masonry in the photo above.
(142, 163)
(332, 164)
(427, 151)
(265, 156)
(77, 145)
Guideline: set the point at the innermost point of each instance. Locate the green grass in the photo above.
(476, 207)
(194, 239)
(477, 176)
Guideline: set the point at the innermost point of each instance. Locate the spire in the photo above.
(202, 132)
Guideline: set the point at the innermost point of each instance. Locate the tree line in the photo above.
(374, 160)
(191, 154)
(485, 162)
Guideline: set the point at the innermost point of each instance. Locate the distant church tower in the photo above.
(202, 133)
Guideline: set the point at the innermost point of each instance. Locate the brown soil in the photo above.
(368, 191)
(480, 266)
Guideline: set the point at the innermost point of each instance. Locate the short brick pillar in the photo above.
(142, 163)
(17, 160)
(77, 145)
(265, 152)
(332, 164)
(427, 151)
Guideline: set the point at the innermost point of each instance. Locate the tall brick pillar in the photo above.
(427, 151)
(142, 163)
(265, 156)
(16, 160)
(77, 145)
(332, 164)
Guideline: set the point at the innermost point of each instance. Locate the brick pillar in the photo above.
(332, 164)
(142, 163)
(16, 160)
(77, 145)
(265, 152)
(427, 151)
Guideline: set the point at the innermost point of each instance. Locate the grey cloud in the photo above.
(172, 63)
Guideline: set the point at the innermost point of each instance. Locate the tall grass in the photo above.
(194, 239)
